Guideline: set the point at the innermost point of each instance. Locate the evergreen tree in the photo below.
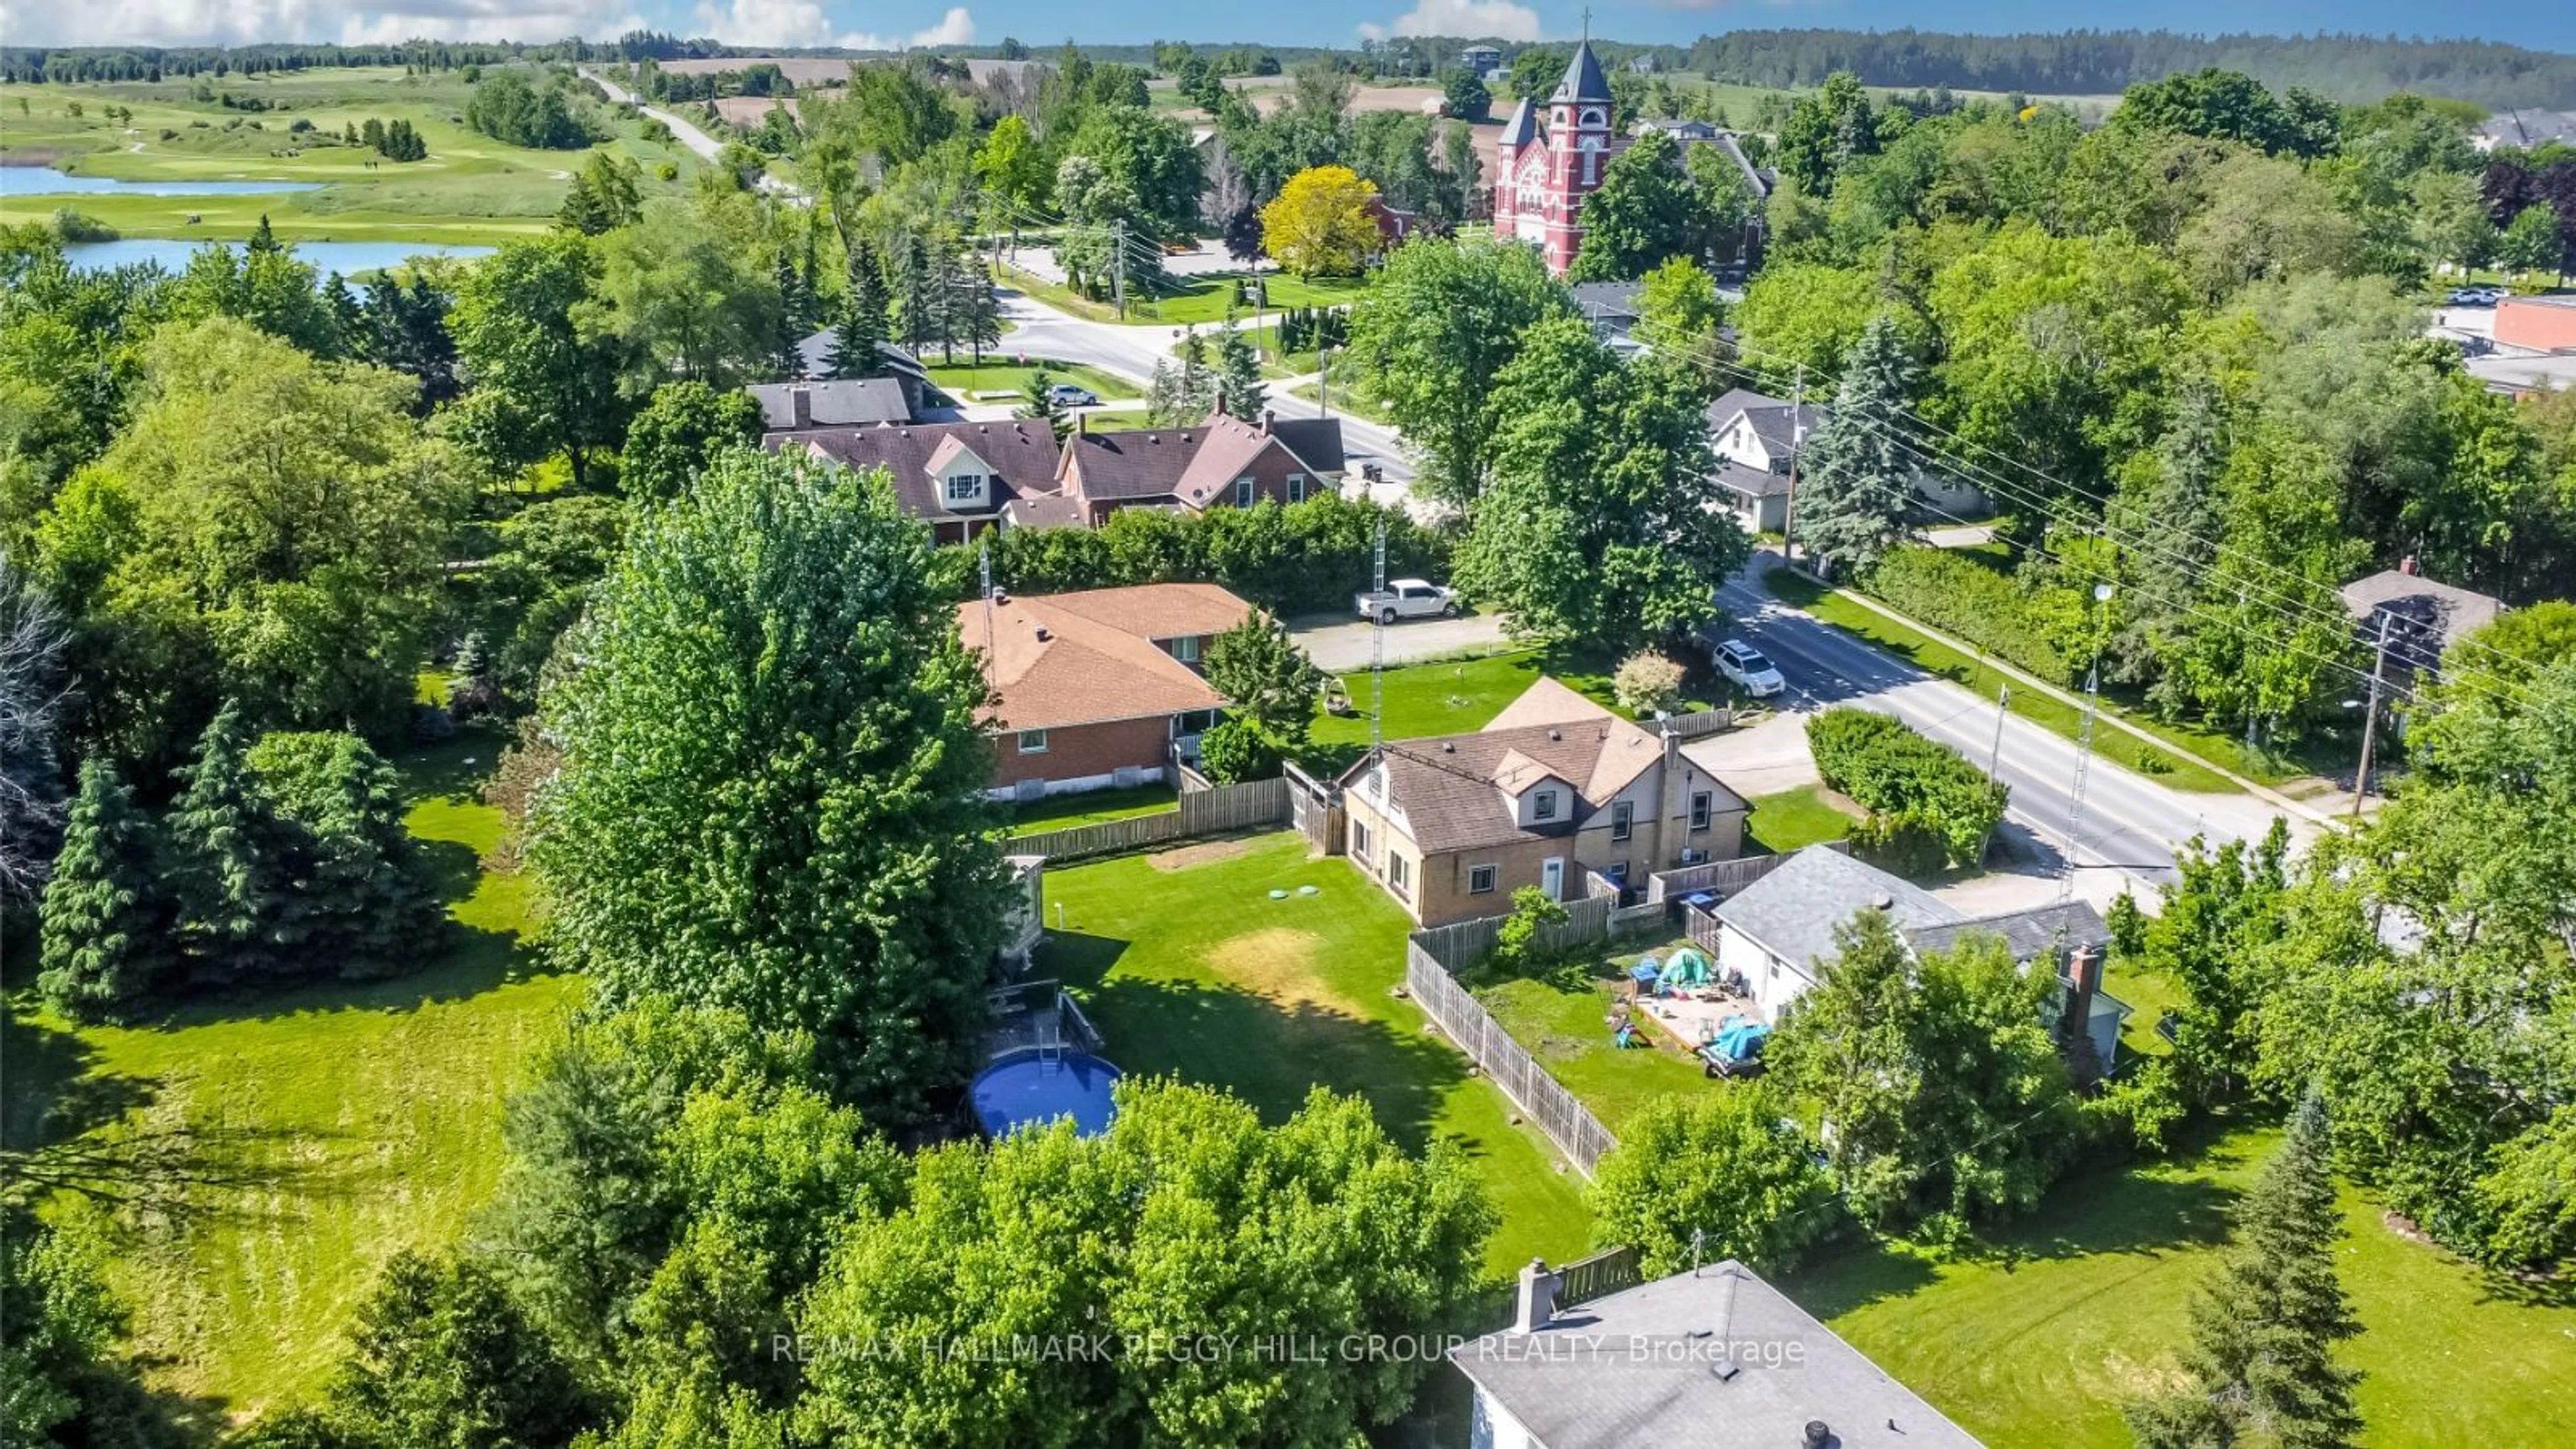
(1239, 367)
(1856, 475)
(231, 859)
(973, 306)
(1183, 391)
(365, 906)
(916, 296)
(2265, 1324)
(856, 345)
(787, 356)
(105, 919)
(264, 240)
(1037, 401)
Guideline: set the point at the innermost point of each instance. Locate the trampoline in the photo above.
(1031, 1088)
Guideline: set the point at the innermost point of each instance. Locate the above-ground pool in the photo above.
(1027, 1089)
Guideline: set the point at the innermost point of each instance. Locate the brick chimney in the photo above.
(801, 399)
(2406, 565)
(1537, 1303)
(1266, 416)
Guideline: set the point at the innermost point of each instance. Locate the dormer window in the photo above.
(1543, 805)
(965, 487)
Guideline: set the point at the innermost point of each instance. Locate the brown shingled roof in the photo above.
(1022, 456)
(1059, 660)
(1450, 789)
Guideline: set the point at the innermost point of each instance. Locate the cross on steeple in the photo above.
(1587, 25)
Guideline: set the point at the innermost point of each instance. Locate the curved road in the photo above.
(2131, 825)
(705, 146)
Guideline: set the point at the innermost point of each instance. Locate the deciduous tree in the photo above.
(678, 431)
(1721, 1174)
(1440, 322)
(772, 792)
(1319, 224)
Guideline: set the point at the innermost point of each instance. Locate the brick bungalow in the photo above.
(1553, 787)
(1098, 688)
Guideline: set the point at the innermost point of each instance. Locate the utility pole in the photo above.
(1324, 402)
(2083, 752)
(1377, 648)
(1797, 445)
(2003, 702)
(1118, 264)
(2370, 719)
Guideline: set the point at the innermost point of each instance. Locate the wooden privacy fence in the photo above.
(1250, 806)
(1725, 877)
(1692, 726)
(1462, 944)
(1567, 1123)
(1598, 1276)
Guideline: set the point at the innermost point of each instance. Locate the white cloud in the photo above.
(804, 22)
(1499, 19)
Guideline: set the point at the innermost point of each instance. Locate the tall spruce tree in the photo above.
(1238, 368)
(232, 856)
(2265, 1324)
(786, 343)
(1855, 474)
(917, 295)
(105, 917)
(857, 344)
(365, 901)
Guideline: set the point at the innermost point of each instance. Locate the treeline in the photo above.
(2094, 62)
(544, 113)
(61, 65)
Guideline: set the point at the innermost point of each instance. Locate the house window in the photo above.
(1360, 843)
(1186, 649)
(1544, 808)
(1033, 742)
(1399, 874)
(965, 487)
(1243, 492)
(1480, 880)
(1701, 804)
(1623, 819)
(1296, 487)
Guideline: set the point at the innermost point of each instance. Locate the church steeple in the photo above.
(1583, 79)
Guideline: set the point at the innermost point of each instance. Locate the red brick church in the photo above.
(1549, 163)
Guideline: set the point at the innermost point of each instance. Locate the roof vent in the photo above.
(1001, 596)
(1043, 635)
(1883, 901)
(1448, 747)
(1556, 734)
(1724, 1369)
(1818, 1435)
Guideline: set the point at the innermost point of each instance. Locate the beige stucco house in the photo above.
(1555, 791)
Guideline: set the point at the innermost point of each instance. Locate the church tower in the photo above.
(1552, 158)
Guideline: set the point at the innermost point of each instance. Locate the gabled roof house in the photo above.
(1555, 792)
(960, 478)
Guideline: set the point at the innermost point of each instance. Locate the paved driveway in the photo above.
(1343, 647)
(1763, 758)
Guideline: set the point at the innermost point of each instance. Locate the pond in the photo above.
(348, 258)
(46, 181)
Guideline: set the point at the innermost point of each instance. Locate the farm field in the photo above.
(471, 189)
(277, 1149)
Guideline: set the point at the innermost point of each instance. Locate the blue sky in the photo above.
(2545, 24)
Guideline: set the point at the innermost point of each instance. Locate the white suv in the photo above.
(1747, 668)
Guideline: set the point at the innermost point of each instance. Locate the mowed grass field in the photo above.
(470, 190)
(2036, 1337)
(261, 1158)
(1188, 967)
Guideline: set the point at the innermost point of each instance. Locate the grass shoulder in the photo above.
(994, 375)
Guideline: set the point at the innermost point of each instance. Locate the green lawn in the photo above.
(1562, 1019)
(1795, 819)
(1345, 399)
(2047, 711)
(1196, 301)
(1013, 378)
(2035, 1339)
(471, 189)
(1195, 971)
(281, 1147)
(1092, 807)
(1445, 697)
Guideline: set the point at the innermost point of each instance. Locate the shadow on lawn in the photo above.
(1267, 1050)
(49, 1092)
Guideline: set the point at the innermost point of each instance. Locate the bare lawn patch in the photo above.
(1206, 852)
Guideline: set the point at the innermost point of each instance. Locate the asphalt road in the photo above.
(683, 131)
(1131, 352)
(2131, 824)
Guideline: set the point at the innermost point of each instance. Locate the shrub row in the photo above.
(1965, 598)
(1298, 558)
(1927, 805)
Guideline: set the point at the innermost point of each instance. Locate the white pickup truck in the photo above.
(1407, 599)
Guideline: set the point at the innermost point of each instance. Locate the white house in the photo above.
(1776, 931)
(1757, 439)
